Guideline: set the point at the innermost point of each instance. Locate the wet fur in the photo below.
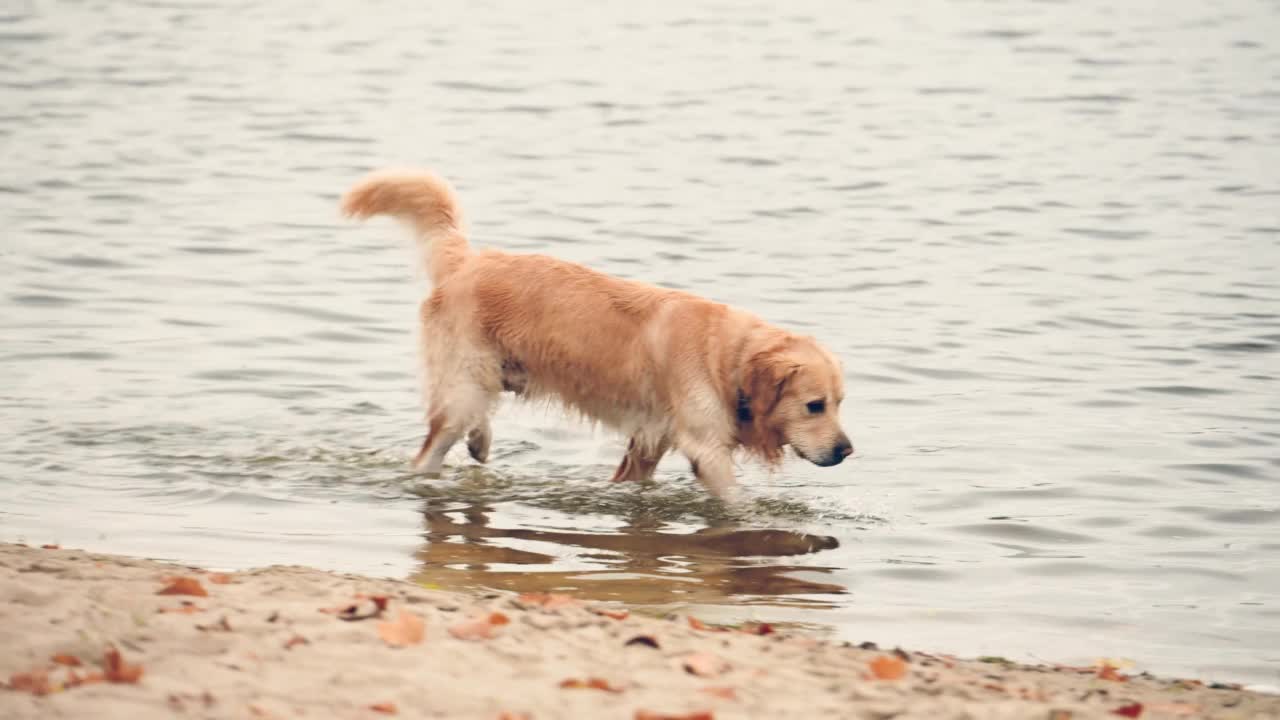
(665, 368)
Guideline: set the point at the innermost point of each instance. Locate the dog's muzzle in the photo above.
(841, 450)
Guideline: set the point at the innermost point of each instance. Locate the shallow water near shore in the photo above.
(1043, 237)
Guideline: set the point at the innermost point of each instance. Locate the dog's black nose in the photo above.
(842, 450)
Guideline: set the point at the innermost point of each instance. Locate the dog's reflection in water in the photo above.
(633, 564)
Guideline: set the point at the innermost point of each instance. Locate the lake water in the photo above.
(1044, 237)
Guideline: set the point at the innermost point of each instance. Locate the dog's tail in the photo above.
(425, 201)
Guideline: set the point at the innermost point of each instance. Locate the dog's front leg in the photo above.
(714, 469)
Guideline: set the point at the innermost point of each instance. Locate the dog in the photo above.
(666, 368)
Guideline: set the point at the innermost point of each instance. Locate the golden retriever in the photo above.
(666, 368)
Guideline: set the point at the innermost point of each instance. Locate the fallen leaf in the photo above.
(698, 715)
(35, 682)
(1130, 710)
(220, 578)
(1110, 672)
(722, 692)
(645, 640)
(295, 640)
(548, 601)
(758, 629)
(51, 547)
(594, 683)
(887, 667)
(184, 586)
(274, 616)
(407, 630)
(704, 664)
(68, 660)
(482, 628)
(116, 670)
(386, 708)
(697, 624)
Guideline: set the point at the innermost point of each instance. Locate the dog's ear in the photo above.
(765, 381)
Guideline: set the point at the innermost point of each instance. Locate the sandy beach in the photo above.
(89, 635)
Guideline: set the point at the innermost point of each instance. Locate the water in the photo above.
(1044, 237)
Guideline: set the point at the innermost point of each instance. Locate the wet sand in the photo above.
(103, 636)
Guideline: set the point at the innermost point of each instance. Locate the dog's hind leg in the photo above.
(640, 461)
(442, 433)
(478, 441)
(466, 405)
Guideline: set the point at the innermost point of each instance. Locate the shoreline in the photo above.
(282, 642)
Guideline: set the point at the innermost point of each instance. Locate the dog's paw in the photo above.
(478, 444)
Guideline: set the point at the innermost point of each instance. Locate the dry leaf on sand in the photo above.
(1130, 710)
(887, 667)
(481, 628)
(219, 578)
(116, 670)
(295, 640)
(406, 630)
(594, 683)
(68, 660)
(35, 682)
(386, 708)
(704, 664)
(183, 586)
(1107, 671)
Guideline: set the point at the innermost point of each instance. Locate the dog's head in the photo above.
(790, 395)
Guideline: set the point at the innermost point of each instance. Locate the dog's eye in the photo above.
(816, 407)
